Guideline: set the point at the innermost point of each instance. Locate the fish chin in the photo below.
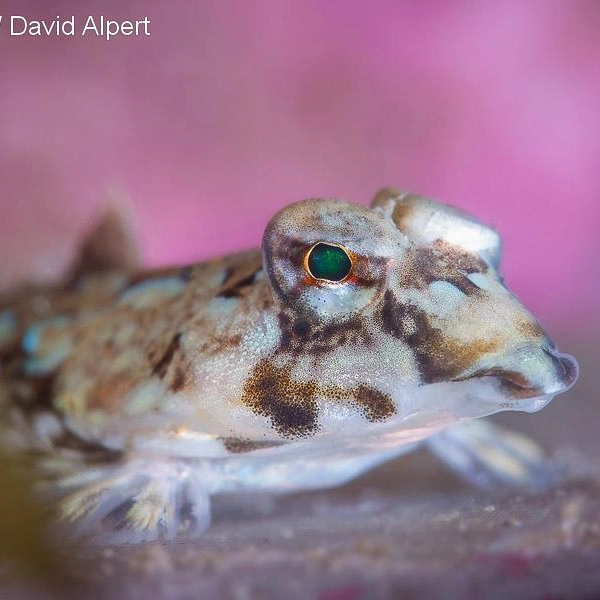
(464, 400)
(492, 390)
(530, 405)
(335, 455)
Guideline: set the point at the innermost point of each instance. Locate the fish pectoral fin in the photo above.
(489, 456)
(139, 499)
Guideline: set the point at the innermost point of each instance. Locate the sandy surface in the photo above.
(408, 529)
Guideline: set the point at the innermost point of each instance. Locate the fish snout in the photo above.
(532, 370)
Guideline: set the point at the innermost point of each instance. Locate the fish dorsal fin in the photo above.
(109, 246)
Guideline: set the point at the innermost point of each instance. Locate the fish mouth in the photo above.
(554, 373)
(512, 383)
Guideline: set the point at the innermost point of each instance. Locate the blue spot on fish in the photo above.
(31, 339)
(42, 365)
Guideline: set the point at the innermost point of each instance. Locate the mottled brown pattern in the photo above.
(530, 329)
(393, 316)
(32, 304)
(441, 358)
(235, 289)
(89, 453)
(367, 271)
(438, 356)
(239, 278)
(241, 445)
(441, 262)
(33, 394)
(99, 349)
(289, 249)
(305, 335)
(375, 405)
(108, 392)
(372, 403)
(290, 405)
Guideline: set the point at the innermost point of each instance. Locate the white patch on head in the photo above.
(409, 325)
(262, 339)
(447, 297)
(334, 299)
(440, 299)
(430, 221)
(483, 282)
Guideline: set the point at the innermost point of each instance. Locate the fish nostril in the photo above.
(565, 367)
(557, 363)
(571, 369)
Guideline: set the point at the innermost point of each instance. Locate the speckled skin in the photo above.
(135, 383)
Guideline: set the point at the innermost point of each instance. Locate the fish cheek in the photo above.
(438, 356)
(291, 406)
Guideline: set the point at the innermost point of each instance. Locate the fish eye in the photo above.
(325, 261)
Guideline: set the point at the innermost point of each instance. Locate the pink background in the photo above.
(230, 110)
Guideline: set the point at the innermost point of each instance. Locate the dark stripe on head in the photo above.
(439, 357)
(441, 262)
(305, 335)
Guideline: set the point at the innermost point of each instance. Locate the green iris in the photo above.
(328, 262)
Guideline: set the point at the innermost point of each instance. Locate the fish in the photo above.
(354, 335)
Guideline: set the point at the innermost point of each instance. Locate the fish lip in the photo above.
(512, 382)
(517, 385)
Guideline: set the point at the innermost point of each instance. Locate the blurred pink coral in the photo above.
(230, 110)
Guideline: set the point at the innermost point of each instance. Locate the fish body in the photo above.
(352, 335)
